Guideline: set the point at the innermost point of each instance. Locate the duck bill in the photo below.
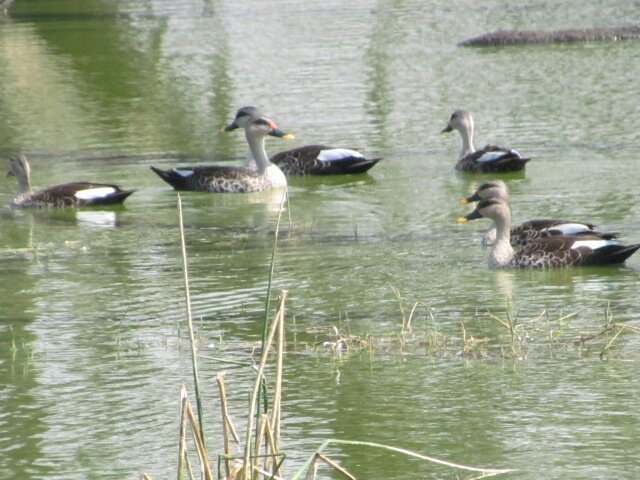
(276, 132)
(447, 129)
(469, 199)
(472, 216)
(232, 126)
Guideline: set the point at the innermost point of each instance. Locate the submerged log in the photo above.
(528, 37)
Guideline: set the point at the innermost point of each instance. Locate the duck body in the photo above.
(76, 194)
(222, 178)
(322, 160)
(259, 174)
(490, 159)
(533, 229)
(571, 251)
(551, 252)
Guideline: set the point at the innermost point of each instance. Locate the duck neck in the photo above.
(501, 252)
(24, 184)
(467, 140)
(250, 162)
(256, 146)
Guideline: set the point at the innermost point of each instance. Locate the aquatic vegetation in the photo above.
(260, 453)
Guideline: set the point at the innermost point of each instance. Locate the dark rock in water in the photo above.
(528, 37)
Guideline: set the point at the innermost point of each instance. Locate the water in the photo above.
(92, 301)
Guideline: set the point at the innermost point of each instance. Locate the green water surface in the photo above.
(93, 345)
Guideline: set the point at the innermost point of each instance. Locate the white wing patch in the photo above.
(337, 154)
(495, 155)
(490, 156)
(183, 172)
(93, 193)
(594, 244)
(569, 228)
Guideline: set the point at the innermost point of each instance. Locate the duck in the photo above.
(490, 159)
(76, 194)
(533, 229)
(550, 252)
(257, 175)
(318, 159)
(322, 160)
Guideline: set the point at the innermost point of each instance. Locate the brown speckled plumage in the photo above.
(256, 177)
(305, 161)
(552, 252)
(561, 251)
(509, 161)
(217, 178)
(533, 229)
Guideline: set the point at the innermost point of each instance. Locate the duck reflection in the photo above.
(100, 219)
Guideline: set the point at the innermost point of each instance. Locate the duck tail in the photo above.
(348, 166)
(363, 166)
(613, 254)
(117, 197)
(169, 176)
(621, 255)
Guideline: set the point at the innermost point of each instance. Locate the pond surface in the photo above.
(93, 345)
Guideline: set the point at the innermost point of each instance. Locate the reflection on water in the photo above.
(96, 218)
(91, 301)
(379, 101)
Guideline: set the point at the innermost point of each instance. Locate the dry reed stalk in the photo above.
(200, 448)
(285, 196)
(277, 394)
(264, 418)
(396, 293)
(311, 462)
(271, 449)
(182, 449)
(407, 327)
(225, 424)
(335, 466)
(615, 326)
(194, 362)
(286, 193)
(258, 382)
(312, 472)
(259, 470)
(610, 342)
